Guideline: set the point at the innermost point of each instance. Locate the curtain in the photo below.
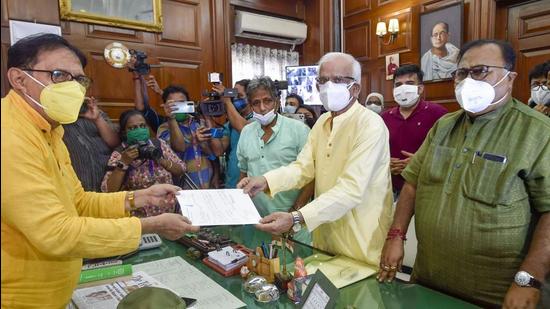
(254, 61)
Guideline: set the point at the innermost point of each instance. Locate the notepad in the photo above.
(228, 258)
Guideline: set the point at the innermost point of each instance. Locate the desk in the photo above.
(367, 293)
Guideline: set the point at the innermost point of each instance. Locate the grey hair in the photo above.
(355, 65)
(262, 82)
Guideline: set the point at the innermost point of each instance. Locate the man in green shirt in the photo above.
(480, 189)
(269, 142)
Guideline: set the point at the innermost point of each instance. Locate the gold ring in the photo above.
(393, 267)
(386, 267)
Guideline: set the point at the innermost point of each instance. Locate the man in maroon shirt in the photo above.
(409, 122)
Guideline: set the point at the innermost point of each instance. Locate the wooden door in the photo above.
(529, 34)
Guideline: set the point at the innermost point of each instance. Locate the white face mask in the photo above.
(475, 96)
(335, 97)
(266, 119)
(406, 95)
(375, 108)
(540, 96)
(290, 109)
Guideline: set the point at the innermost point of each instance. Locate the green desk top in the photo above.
(367, 293)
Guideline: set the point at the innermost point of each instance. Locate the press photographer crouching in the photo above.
(141, 162)
(191, 136)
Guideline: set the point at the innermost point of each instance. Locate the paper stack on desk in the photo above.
(218, 207)
(227, 258)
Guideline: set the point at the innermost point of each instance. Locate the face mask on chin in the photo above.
(475, 96)
(266, 119)
(60, 101)
(335, 97)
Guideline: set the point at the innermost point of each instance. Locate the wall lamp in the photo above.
(393, 29)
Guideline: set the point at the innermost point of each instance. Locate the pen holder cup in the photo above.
(264, 267)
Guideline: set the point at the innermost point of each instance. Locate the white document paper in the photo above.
(108, 296)
(218, 207)
(187, 281)
(21, 29)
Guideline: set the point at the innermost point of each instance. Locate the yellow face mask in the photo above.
(61, 101)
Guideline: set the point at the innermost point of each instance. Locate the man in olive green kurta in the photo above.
(480, 189)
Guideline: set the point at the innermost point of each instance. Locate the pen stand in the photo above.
(264, 267)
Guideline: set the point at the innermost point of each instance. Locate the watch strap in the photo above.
(535, 283)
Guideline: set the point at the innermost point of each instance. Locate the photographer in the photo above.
(141, 162)
(191, 137)
(90, 141)
(141, 97)
(239, 114)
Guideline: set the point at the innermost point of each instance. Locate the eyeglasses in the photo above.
(478, 72)
(436, 35)
(336, 79)
(59, 76)
(536, 87)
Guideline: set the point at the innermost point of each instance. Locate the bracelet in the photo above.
(132, 200)
(393, 233)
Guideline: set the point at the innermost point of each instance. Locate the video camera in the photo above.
(213, 104)
(140, 66)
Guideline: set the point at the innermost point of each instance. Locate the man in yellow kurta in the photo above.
(347, 154)
(48, 222)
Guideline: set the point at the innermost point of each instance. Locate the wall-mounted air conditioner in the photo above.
(269, 28)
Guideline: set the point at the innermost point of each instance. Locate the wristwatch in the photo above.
(121, 165)
(297, 221)
(524, 279)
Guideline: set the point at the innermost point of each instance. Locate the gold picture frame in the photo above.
(88, 11)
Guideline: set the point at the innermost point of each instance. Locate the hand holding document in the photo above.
(218, 207)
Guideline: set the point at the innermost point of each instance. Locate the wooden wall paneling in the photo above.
(365, 85)
(182, 24)
(357, 41)
(529, 34)
(111, 33)
(4, 58)
(44, 11)
(436, 4)
(355, 6)
(289, 8)
(404, 39)
(222, 25)
(4, 20)
(179, 72)
(319, 31)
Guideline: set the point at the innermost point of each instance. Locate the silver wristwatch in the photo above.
(297, 221)
(524, 279)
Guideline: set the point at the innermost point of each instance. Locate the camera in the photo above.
(281, 84)
(140, 66)
(148, 152)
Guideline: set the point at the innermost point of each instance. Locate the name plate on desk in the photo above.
(320, 293)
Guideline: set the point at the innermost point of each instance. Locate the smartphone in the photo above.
(216, 132)
(185, 107)
(215, 77)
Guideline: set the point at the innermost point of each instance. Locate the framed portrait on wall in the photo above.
(133, 14)
(441, 32)
(392, 63)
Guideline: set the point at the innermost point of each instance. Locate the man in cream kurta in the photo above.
(347, 154)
